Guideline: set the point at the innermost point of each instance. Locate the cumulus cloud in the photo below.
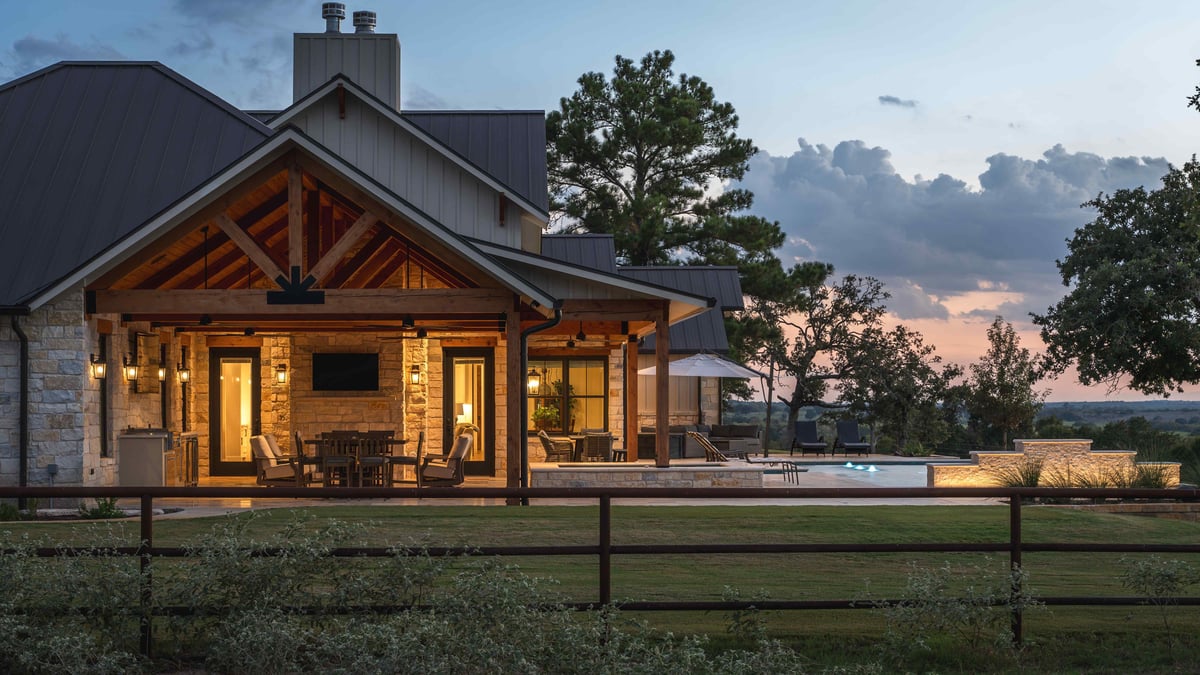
(937, 241)
(897, 101)
(30, 53)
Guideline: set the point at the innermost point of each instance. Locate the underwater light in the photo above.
(859, 467)
(849, 465)
(872, 468)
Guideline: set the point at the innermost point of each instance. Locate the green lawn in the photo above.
(1092, 639)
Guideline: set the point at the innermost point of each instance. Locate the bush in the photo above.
(106, 507)
(1028, 473)
(1160, 582)
(968, 607)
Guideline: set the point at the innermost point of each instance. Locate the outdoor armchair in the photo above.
(269, 469)
(448, 471)
(557, 449)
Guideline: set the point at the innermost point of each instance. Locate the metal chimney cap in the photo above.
(333, 13)
(364, 22)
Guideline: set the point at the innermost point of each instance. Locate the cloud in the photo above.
(238, 12)
(201, 44)
(31, 53)
(939, 245)
(419, 98)
(897, 101)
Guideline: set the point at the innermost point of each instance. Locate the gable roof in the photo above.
(596, 251)
(91, 150)
(514, 165)
(273, 148)
(706, 332)
(508, 144)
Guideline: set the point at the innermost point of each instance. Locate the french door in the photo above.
(234, 404)
(469, 397)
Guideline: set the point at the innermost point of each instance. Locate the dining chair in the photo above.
(373, 467)
(338, 457)
(597, 447)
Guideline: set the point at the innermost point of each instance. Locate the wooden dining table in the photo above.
(394, 458)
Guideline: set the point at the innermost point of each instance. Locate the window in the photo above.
(577, 386)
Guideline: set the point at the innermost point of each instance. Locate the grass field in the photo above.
(1062, 639)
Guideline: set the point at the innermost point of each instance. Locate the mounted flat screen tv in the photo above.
(332, 371)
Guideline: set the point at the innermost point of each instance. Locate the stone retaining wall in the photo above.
(1064, 461)
(641, 475)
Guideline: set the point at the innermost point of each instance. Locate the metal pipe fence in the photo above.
(604, 549)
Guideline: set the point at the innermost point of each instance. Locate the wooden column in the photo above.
(662, 390)
(631, 398)
(514, 389)
(295, 217)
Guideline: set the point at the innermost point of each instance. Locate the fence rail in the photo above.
(604, 549)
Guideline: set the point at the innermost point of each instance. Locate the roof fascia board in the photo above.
(266, 152)
(596, 276)
(396, 118)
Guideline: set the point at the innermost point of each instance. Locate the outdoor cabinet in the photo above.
(147, 457)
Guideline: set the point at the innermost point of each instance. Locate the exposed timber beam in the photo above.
(356, 232)
(250, 247)
(610, 310)
(337, 301)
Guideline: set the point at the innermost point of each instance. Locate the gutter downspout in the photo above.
(525, 397)
(23, 414)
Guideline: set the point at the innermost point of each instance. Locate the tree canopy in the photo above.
(1002, 387)
(1134, 304)
(639, 156)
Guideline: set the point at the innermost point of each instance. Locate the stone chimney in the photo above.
(370, 59)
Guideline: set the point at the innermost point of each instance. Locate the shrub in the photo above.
(1027, 473)
(971, 607)
(1160, 582)
(106, 507)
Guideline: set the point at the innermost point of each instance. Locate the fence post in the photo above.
(1014, 561)
(605, 550)
(145, 548)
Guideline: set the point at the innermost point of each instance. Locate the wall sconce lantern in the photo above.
(99, 368)
(185, 373)
(130, 369)
(414, 374)
(535, 382)
(162, 372)
(281, 373)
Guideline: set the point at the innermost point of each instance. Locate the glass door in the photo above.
(234, 396)
(470, 399)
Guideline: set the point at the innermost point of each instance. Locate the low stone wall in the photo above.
(643, 475)
(1064, 461)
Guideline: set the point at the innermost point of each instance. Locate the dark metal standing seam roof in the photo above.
(705, 332)
(91, 150)
(594, 251)
(510, 145)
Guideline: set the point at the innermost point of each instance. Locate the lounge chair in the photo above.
(557, 449)
(849, 439)
(805, 437)
(711, 452)
(448, 471)
(271, 470)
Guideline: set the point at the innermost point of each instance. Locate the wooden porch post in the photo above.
(631, 399)
(514, 389)
(662, 389)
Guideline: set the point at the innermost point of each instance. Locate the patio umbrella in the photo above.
(706, 365)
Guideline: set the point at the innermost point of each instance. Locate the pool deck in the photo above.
(822, 472)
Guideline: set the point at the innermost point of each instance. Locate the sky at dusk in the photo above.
(943, 147)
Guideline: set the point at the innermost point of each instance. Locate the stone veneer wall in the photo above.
(1060, 458)
(567, 476)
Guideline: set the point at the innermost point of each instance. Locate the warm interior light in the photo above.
(185, 373)
(535, 381)
(414, 375)
(162, 373)
(99, 368)
(281, 373)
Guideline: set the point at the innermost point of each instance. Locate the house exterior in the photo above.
(172, 262)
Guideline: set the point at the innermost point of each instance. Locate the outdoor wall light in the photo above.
(535, 381)
(130, 369)
(185, 373)
(414, 374)
(99, 368)
(281, 373)
(162, 372)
